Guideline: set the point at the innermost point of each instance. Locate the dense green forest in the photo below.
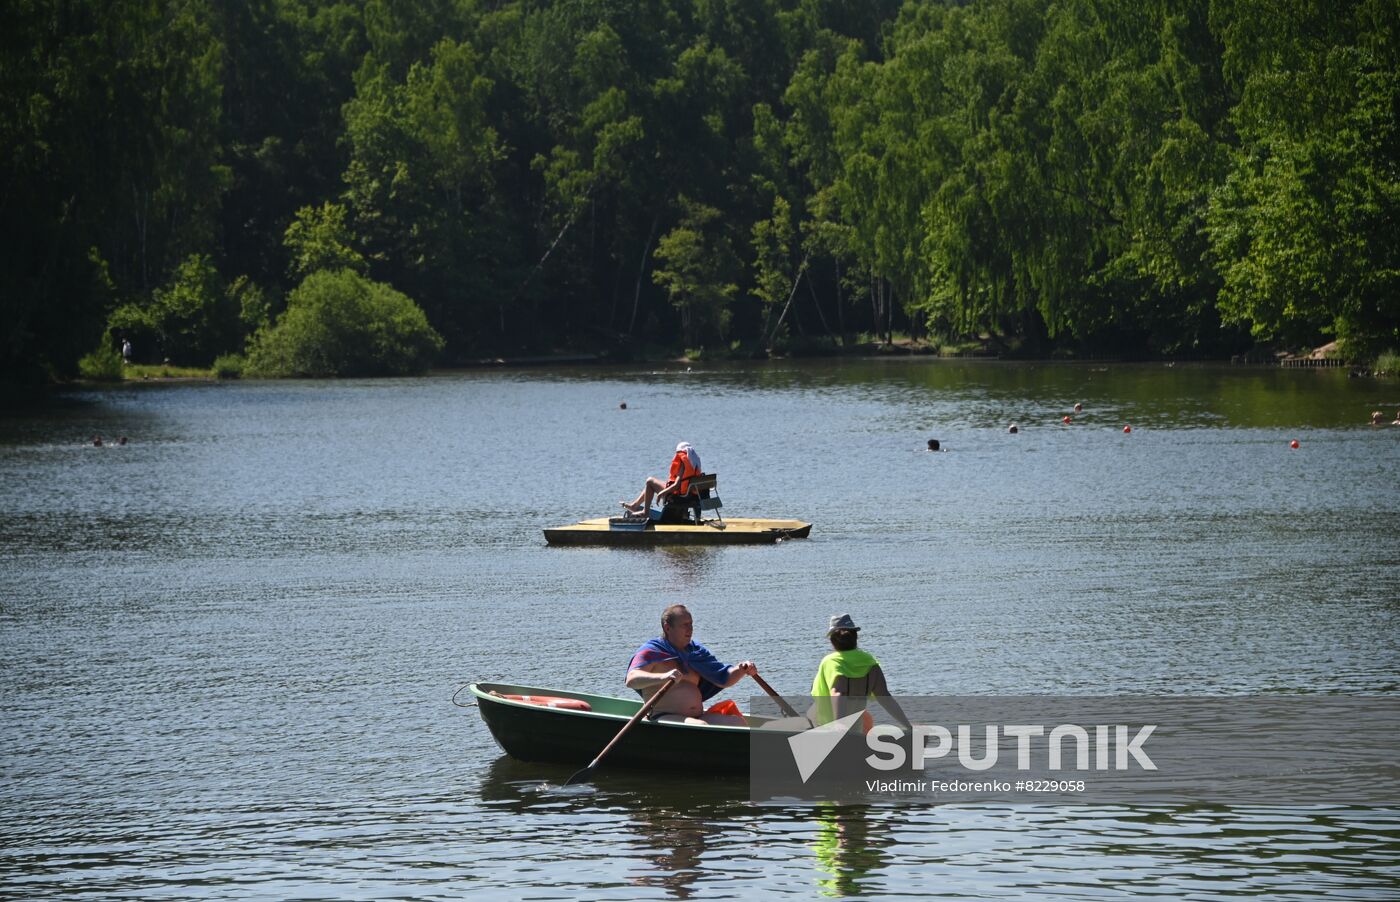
(1179, 177)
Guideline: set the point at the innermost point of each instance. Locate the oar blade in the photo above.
(582, 776)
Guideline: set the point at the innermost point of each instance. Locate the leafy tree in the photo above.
(1305, 225)
(288, 69)
(189, 320)
(111, 175)
(320, 239)
(420, 172)
(774, 267)
(252, 303)
(1105, 175)
(695, 266)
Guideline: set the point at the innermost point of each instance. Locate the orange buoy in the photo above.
(1293, 444)
(1065, 420)
(551, 701)
(1127, 429)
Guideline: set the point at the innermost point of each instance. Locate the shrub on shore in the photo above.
(229, 366)
(338, 323)
(102, 365)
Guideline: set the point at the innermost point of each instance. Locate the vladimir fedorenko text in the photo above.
(962, 786)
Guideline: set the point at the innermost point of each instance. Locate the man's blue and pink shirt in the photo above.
(695, 657)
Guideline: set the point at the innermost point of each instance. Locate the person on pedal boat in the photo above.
(685, 466)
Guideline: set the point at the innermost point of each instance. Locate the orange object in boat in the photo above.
(551, 701)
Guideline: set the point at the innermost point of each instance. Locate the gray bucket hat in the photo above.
(842, 622)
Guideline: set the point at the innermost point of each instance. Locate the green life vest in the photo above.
(853, 665)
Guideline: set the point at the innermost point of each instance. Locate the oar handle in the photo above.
(641, 712)
(788, 710)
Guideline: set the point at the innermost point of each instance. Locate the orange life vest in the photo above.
(683, 469)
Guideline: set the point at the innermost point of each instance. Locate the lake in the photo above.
(230, 647)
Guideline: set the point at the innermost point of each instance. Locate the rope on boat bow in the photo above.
(471, 704)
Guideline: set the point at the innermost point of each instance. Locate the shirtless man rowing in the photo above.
(700, 675)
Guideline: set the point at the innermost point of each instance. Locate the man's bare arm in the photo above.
(640, 679)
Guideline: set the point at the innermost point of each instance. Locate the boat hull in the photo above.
(535, 733)
(733, 531)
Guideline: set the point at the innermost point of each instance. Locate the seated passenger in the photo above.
(700, 673)
(849, 676)
(685, 466)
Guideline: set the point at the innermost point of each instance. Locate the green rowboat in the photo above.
(535, 733)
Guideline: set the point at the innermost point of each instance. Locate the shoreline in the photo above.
(14, 395)
(592, 360)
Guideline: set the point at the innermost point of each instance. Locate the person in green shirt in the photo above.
(849, 676)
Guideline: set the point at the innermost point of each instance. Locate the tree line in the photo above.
(1178, 177)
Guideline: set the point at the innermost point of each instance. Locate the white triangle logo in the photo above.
(811, 747)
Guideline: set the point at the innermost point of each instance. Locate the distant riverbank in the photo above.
(1386, 365)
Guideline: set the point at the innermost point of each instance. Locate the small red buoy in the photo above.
(1065, 420)
(1293, 444)
(1127, 429)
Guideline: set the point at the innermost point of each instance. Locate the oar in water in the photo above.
(788, 710)
(641, 712)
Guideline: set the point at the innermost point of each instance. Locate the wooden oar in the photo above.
(788, 710)
(641, 712)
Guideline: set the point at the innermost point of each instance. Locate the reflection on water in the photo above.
(674, 843)
(227, 650)
(850, 847)
(670, 817)
(693, 837)
(687, 566)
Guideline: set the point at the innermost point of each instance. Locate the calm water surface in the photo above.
(229, 648)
